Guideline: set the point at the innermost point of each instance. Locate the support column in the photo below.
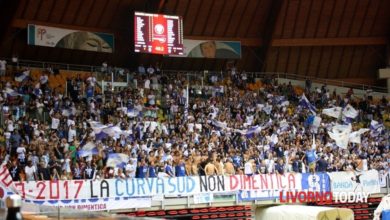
(385, 73)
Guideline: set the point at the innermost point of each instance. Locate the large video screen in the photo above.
(158, 34)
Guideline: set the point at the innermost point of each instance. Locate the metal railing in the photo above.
(205, 73)
(62, 66)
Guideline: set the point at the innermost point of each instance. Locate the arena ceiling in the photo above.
(341, 39)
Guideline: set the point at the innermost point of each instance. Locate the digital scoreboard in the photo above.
(158, 34)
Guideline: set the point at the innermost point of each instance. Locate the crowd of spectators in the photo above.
(46, 134)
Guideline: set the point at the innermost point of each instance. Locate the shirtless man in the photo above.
(188, 165)
(229, 168)
(210, 169)
(219, 166)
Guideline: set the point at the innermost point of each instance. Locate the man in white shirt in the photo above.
(248, 169)
(21, 150)
(150, 70)
(71, 133)
(30, 171)
(147, 84)
(92, 81)
(130, 169)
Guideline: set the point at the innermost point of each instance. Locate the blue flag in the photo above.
(304, 102)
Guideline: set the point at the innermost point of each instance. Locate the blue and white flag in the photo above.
(376, 128)
(267, 109)
(252, 131)
(334, 112)
(88, 150)
(117, 160)
(350, 112)
(355, 137)
(100, 136)
(309, 121)
(274, 139)
(284, 125)
(279, 99)
(219, 124)
(20, 77)
(304, 102)
(316, 122)
(113, 131)
(11, 93)
(97, 126)
(132, 113)
(375, 125)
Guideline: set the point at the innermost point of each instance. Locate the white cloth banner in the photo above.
(340, 133)
(350, 112)
(95, 204)
(354, 137)
(366, 181)
(334, 112)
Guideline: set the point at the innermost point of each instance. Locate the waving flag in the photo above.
(304, 102)
(340, 133)
(354, 137)
(132, 113)
(252, 131)
(274, 139)
(11, 93)
(284, 125)
(117, 160)
(350, 112)
(113, 131)
(20, 77)
(309, 121)
(334, 112)
(219, 124)
(376, 128)
(267, 109)
(88, 150)
(100, 136)
(97, 126)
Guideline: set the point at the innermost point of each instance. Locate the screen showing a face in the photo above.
(158, 34)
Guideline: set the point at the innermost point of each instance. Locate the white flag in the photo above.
(117, 160)
(113, 131)
(354, 137)
(340, 133)
(332, 112)
(350, 112)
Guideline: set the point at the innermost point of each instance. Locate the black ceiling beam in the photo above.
(273, 15)
(7, 12)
